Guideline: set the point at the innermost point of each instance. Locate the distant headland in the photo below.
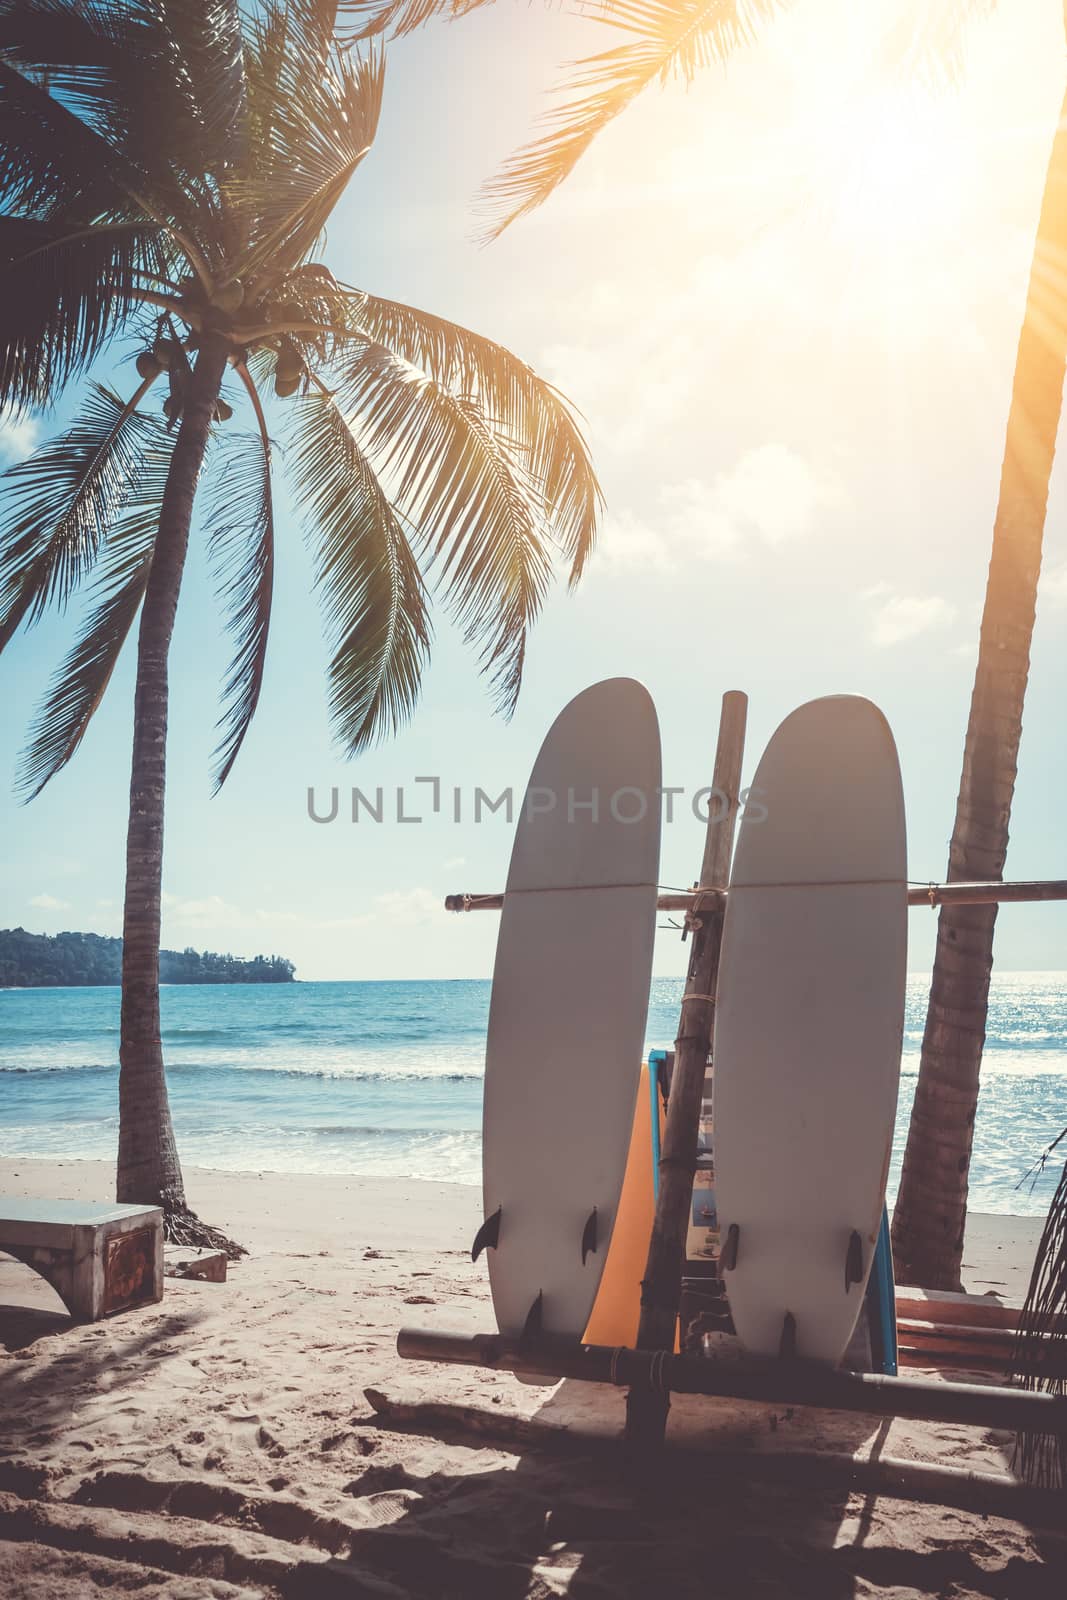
(49, 961)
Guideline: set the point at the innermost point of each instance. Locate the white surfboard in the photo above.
(568, 1009)
(808, 1028)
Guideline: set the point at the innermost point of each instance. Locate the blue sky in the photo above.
(787, 301)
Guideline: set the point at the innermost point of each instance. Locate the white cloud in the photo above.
(453, 862)
(406, 907)
(898, 617)
(212, 911)
(627, 543)
(769, 498)
(18, 435)
(48, 902)
(698, 519)
(219, 918)
(774, 492)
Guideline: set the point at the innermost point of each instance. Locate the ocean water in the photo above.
(386, 1078)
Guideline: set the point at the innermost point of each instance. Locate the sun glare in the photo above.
(891, 169)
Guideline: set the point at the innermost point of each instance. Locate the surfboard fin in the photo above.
(787, 1345)
(728, 1259)
(854, 1261)
(488, 1234)
(589, 1236)
(532, 1327)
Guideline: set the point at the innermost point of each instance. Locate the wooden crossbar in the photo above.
(928, 894)
(781, 1382)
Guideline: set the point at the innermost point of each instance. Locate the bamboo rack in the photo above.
(651, 1371)
(931, 895)
(661, 1286)
(792, 1383)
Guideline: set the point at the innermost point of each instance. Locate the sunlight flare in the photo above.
(893, 168)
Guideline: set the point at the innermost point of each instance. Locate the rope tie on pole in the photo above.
(657, 1372)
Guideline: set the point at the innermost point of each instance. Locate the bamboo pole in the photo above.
(790, 1383)
(646, 1409)
(927, 894)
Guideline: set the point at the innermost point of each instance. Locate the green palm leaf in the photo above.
(268, 39)
(163, 82)
(496, 577)
(116, 594)
(51, 161)
(311, 294)
(373, 596)
(667, 38)
(467, 489)
(241, 530)
(322, 124)
(397, 17)
(64, 293)
(519, 404)
(207, 62)
(62, 500)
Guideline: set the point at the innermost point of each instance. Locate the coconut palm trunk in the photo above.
(931, 1209)
(148, 1169)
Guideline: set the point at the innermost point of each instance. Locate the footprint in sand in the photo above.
(247, 1428)
(266, 1441)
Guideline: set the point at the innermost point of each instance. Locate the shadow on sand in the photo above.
(37, 1397)
(568, 1513)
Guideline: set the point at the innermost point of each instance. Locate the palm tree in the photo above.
(674, 38)
(931, 1209)
(167, 168)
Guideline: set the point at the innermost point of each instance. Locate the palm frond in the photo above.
(373, 596)
(64, 293)
(310, 296)
(56, 168)
(397, 17)
(519, 403)
(268, 37)
(1037, 1359)
(312, 27)
(323, 116)
(209, 70)
(241, 532)
(497, 577)
(118, 588)
(62, 500)
(272, 30)
(161, 80)
(316, 292)
(928, 42)
(466, 488)
(667, 38)
(50, 161)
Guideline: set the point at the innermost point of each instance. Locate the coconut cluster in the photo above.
(170, 355)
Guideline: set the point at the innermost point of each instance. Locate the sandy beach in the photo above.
(239, 1437)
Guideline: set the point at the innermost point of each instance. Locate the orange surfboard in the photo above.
(617, 1309)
